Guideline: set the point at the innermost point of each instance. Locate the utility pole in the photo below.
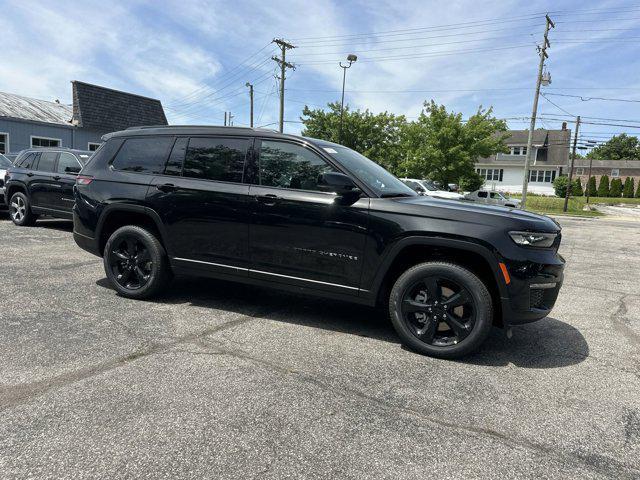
(589, 179)
(284, 46)
(543, 57)
(573, 159)
(251, 102)
(231, 121)
(225, 119)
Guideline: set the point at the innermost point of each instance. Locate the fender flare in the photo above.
(468, 245)
(17, 184)
(114, 208)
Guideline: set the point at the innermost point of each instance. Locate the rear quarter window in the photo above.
(143, 154)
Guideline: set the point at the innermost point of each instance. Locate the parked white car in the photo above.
(427, 188)
(493, 198)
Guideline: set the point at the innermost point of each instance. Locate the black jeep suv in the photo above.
(41, 181)
(307, 215)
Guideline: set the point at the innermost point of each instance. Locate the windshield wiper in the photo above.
(395, 195)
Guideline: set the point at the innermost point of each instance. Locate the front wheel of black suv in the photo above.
(136, 263)
(20, 210)
(441, 309)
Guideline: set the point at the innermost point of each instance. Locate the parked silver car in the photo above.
(492, 198)
(429, 189)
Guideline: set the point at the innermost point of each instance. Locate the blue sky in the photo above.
(197, 55)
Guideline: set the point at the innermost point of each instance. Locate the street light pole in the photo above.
(251, 102)
(350, 58)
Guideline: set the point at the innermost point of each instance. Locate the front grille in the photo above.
(543, 298)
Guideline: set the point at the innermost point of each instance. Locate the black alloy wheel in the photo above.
(136, 263)
(130, 262)
(441, 309)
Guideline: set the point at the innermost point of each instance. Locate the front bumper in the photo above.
(533, 290)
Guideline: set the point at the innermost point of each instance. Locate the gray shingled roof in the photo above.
(16, 106)
(104, 109)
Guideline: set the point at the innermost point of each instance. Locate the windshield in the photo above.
(373, 175)
(429, 186)
(5, 162)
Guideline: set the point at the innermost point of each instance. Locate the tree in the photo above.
(629, 185)
(616, 188)
(591, 187)
(471, 182)
(619, 147)
(603, 187)
(638, 191)
(376, 136)
(441, 147)
(577, 190)
(560, 186)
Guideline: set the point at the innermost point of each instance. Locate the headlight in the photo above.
(533, 239)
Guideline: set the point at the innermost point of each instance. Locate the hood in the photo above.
(472, 212)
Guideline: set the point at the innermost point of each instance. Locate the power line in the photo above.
(587, 99)
(556, 105)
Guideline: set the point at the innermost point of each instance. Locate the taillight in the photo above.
(83, 180)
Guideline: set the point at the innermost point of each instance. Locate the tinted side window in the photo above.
(144, 155)
(482, 194)
(174, 165)
(286, 165)
(47, 161)
(220, 159)
(27, 160)
(67, 163)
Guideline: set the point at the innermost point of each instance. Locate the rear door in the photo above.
(67, 170)
(43, 189)
(298, 233)
(202, 202)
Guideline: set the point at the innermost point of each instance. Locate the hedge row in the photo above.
(613, 189)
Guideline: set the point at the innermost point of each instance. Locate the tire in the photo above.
(427, 316)
(20, 210)
(136, 263)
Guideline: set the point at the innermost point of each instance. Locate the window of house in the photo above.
(92, 147)
(42, 142)
(143, 155)
(68, 164)
(4, 143)
(286, 165)
(579, 170)
(220, 159)
(542, 176)
(518, 150)
(615, 172)
(491, 174)
(47, 161)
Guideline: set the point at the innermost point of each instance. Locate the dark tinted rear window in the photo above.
(144, 155)
(220, 159)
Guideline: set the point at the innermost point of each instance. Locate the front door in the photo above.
(203, 203)
(298, 233)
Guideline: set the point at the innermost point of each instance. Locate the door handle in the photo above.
(269, 199)
(167, 187)
(56, 177)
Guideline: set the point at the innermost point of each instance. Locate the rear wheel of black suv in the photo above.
(136, 263)
(441, 309)
(20, 210)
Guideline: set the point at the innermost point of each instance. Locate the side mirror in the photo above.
(340, 184)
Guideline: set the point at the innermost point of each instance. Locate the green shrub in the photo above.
(591, 187)
(615, 190)
(629, 185)
(638, 191)
(577, 190)
(603, 187)
(471, 182)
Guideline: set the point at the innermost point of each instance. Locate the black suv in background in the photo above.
(260, 207)
(41, 181)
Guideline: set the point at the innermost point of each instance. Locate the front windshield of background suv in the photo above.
(5, 162)
(373, 175)
(429, 185)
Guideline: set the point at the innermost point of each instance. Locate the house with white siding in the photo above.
(505, 171)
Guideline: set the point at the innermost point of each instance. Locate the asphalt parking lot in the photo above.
(226, 381)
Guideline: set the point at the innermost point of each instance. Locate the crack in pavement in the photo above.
(599, 463)
(621, 327)
(18, 394)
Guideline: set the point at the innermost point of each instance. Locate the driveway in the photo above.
(226, 381)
